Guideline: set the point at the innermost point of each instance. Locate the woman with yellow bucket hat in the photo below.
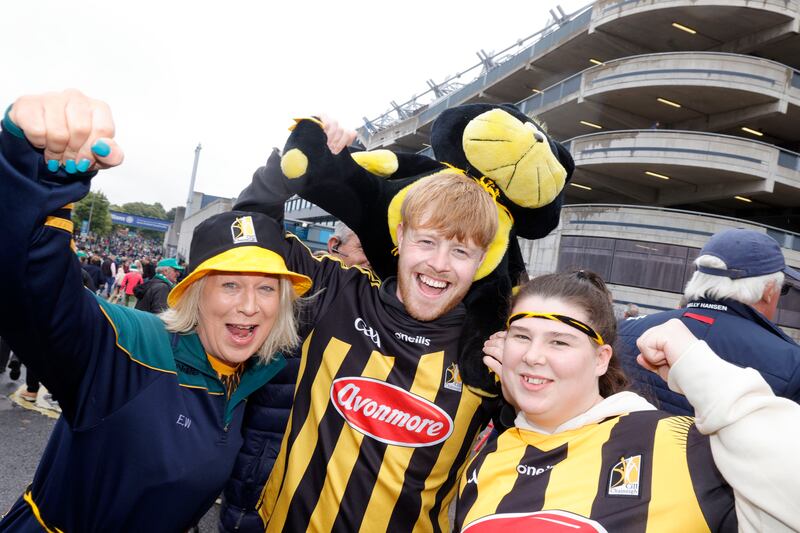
(152, 405)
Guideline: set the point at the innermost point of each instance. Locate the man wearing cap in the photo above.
(153, 293)
(732, 303)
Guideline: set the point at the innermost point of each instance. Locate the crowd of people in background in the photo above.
(115, 266)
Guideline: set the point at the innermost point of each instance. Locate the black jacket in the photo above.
(265, 419)
(152, 295)
(95, 274)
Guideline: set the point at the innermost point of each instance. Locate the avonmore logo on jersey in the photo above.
(539, 521)
(390, 414)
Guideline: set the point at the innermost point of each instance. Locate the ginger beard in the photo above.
(434, 273)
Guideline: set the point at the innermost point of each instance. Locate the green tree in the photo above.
(155, 210)
(96, 204)
(171, 214)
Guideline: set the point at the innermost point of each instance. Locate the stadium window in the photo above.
(591, 253)
(647, 264)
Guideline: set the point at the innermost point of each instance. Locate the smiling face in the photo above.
(433, 272)
(551, 369)
(237, 312)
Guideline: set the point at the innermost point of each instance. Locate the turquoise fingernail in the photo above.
(101, 148)
(69, 166)
(84, 165)
(52, 165)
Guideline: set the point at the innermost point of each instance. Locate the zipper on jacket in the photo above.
(238, 523)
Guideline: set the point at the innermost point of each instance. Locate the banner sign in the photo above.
(139, 221)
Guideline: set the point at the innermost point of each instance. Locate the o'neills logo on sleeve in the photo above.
(540, 521)
(390, 414)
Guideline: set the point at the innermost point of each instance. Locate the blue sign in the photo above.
(139, 221)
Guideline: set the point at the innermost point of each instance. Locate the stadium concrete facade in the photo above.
(683, 117)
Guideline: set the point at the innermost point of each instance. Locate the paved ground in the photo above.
(23, 435)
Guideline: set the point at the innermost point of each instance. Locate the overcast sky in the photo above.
(231, 75)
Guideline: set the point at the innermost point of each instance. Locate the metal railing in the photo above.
(456, 88)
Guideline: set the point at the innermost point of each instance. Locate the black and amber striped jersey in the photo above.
(381, 425)
(642, 472)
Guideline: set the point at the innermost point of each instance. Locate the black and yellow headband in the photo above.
(572, 322)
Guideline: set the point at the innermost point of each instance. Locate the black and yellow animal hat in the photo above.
(503, 144)
(517, 162)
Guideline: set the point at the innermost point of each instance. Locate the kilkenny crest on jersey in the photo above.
(624, 479)
(452, 378)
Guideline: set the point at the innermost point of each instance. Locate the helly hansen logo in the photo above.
(389, 414)
(539, 521)
(361, 326)
(624, 479)
(243, 230)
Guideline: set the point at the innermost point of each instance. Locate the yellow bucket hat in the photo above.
(235, 242)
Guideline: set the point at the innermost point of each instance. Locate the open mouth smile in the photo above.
(431, 286)
(241, 334)
(534, 383)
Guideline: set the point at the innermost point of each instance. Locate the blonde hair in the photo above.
(454, 204)
(184, 317)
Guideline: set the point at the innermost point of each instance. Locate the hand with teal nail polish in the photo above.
(91, 131)
(101, 148)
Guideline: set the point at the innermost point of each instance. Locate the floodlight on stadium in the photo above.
(752, 131)
(681, 27)
(669, 102)
(656, 175)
